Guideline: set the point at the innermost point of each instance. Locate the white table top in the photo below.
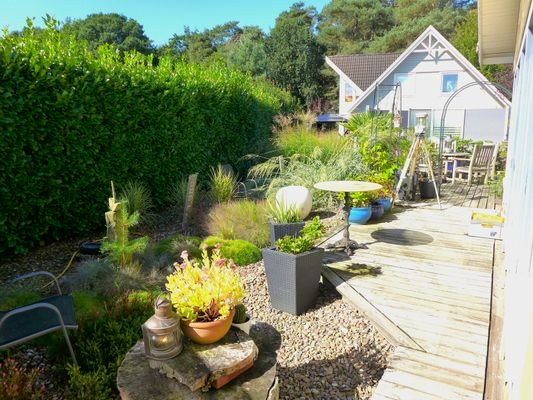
(347, 186)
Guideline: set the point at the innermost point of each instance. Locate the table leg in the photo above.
(346, 243)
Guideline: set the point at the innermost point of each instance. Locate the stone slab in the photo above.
(199, 365)
(136, 380)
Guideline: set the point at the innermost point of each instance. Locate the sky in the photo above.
(160, 18)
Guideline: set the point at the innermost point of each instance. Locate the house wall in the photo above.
(345, 106)
(423, 93)
(518, 232)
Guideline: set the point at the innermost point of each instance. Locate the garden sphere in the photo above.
(295, 196)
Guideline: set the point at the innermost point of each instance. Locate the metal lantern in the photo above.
(421, 123)
(161, 332)
(448, 143)
(397, 121)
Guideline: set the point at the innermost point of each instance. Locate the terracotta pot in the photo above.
(207, 332)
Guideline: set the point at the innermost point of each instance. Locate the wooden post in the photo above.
(189, 199)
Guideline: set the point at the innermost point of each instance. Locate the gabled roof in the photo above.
(363, 69)
(432, 41)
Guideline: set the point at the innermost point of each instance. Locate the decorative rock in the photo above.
(297, 196)
(200, 365)
(136, 380)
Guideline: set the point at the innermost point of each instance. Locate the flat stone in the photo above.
(197, 366)
(136, 380)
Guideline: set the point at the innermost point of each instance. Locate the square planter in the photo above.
(293, 279)
(277, 231)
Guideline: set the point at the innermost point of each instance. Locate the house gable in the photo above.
(430, 45)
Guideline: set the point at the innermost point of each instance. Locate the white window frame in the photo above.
(442, 75)
(349, 88)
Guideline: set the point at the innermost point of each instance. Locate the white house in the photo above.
(429, 71)
(506, 35)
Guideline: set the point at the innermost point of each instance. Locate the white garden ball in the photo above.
(297, 196)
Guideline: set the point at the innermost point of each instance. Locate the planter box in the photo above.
(485, 225)
(277, 231)
(427, 190)
(293, 279)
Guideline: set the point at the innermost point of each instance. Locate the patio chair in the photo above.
(479, 164)
(37, 319)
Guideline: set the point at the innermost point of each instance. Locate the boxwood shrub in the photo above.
(71, 121)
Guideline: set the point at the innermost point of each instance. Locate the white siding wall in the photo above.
(427, 86)
(518, 239)
(343, 105)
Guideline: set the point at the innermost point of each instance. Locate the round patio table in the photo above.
(347, 187)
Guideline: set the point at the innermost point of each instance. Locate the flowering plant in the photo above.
(205, 290)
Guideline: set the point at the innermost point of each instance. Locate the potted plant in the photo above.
(284, 220)
(204, 294)
(361, 210)
(293, 270)
(241, 319)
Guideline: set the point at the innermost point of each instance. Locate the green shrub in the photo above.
(303, 140)
(71, 121)
(101, 344)
(243, 219)
(13, 297)
(223, 185)
(19, 384)
(176, 244)
(241, 251)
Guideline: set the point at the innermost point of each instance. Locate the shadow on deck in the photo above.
(427, 286)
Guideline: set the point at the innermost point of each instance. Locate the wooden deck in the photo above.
(427, 286)
(461, 195)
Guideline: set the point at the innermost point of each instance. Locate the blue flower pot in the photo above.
(386, 203)
(377, 211)
(360, 215)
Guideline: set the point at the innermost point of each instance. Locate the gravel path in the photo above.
(330, 352)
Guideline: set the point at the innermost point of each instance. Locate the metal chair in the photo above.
(37, 319)
(478, 164)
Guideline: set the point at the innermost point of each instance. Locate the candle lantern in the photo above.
(448, 144)
(397, 121)
(421, 123)
(161, 332)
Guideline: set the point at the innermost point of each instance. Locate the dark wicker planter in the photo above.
(277, 231)
(427, 190)
(293, 279)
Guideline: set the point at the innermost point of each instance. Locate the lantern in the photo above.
(397, 121)
(421, 123)
(448, 143)
(161, 332)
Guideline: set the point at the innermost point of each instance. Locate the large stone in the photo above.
(136, 380)
(198, 366)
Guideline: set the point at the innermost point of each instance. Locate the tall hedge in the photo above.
(71, 121)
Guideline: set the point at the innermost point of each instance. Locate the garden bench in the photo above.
(27, 322)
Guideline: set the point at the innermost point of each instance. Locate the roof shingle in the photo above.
(364, 69)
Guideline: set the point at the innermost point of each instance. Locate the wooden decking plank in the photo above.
(415, 303)
(423, 292)
(395, 391)
(429, 386)
(436, 268)
(438, 374)
(447, 364)
(390, 330)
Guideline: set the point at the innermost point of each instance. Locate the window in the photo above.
(406, 81)
(449, 83)
(348, 93)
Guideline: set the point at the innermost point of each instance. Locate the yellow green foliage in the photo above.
(207, 289)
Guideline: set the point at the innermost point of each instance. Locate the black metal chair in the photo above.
(37, 319)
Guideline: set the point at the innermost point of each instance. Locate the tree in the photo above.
(125, 33)
(247, 51)
(294, 55)
(412, 17)
(348, 26)
(198, 47)
(465, 40)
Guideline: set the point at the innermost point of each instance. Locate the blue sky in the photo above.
(160, 18)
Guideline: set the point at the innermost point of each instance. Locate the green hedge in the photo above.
(71, 121)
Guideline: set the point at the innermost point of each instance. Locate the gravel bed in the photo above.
(330, 352)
